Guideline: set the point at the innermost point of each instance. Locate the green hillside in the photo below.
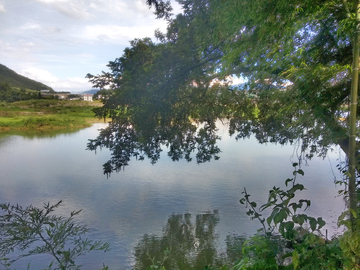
(16, 80)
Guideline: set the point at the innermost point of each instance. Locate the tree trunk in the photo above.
(353, 107)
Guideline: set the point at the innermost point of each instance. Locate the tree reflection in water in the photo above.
(186, 139)
(185, 245)
(126, 140)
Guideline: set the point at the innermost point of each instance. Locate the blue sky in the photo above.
(57, 42)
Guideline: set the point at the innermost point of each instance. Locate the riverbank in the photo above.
(47, 114)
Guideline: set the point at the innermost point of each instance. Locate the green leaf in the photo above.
(353, 212)
(250, 212)
(294, 206)
(271, 217)
(298, 187)
(308, 203)
(321, 223)
(280, 217)
(288, 180)
(295, 259)
(51, 224)
(300, 219)
(313, 223)
(289, 225)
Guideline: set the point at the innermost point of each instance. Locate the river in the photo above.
(37, 168)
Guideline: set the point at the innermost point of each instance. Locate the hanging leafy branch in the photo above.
(162, 8)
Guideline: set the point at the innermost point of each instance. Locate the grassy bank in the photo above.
(46, 114)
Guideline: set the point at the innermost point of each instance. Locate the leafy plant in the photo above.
(33, 230)
(284, 215)
(350, 240)
(300, 245)
(259, 253)
(350, 246)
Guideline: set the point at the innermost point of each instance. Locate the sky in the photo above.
(57, 42)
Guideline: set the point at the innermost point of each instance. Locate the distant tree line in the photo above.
(12, 94)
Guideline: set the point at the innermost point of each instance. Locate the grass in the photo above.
(46, 114)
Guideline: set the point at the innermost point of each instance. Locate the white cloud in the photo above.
(85, 55)
(112, 8)
(93, 5)
(41, 36)
(118, 33)
(21, 50)
(53, 1)
(70, 8)
(142, 7)
(27, 44)
(30, 26)
(38, 74)
(73, 85)
(52, 30)
(75, 11)
(121, 11)
(6, 48)
(2, 8)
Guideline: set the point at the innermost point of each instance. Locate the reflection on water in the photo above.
(126, 141)
(183, 244)
(31, 134)
(138, 201)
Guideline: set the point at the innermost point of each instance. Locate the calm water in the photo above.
(40, 168)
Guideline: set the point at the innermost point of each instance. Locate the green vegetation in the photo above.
(183, 244)
(301, 245)
(12, 94)
(289, 239)
(299, 61)
(298, 58)
(33, 231)
(46, 114)
(18, 81)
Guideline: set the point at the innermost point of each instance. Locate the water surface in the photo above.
(121, 209)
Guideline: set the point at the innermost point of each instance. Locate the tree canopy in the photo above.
(295, 58)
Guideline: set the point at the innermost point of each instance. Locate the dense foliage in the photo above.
(295, 57)
(296, 60)
(11, 94)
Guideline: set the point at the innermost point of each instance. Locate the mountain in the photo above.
(92, 91)
(16, 80)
